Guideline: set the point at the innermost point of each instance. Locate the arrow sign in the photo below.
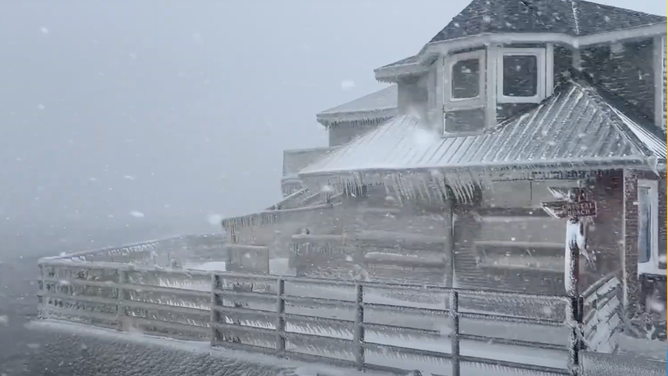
(565, 209)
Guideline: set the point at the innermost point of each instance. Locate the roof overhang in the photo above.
(331, 119)
(460, 179)
(432, 51)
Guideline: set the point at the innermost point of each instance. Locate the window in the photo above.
(522, 75)
(466, 76)
(465, 121)
(466, 79)
(648, 229)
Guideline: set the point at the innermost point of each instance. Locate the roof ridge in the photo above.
(613, 7)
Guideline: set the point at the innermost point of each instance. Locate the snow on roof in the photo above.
(575, 126)
(382, 103)
(407, 60)
(573, 17)
(655, 144)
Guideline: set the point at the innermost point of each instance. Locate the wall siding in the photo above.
(604, 236)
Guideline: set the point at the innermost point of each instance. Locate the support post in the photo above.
(450, 243)
(215, 314)
(454, 335)
(120, 297)
(574, 316)
(358, 334)
(280, 316)
(41, 295)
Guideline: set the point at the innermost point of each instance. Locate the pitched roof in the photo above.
(573, 17)
(406, 60)
(576, 126)
(380, 100)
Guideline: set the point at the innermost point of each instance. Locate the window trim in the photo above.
(652, 266)
(541, 80)
(466, 103)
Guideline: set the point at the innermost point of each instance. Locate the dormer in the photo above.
(354, 118)
(499, 58)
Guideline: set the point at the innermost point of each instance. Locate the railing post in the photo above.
(280, 316)
(120, 292)
(41, 293)
(358, 333)
(215, 314)
(454, 336)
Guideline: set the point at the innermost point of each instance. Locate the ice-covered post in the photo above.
(358, 333)
(572, 289)
(454, 335)
(120, 296)
(574, 207)
(574, 240)
(280, 316)
(215, 314)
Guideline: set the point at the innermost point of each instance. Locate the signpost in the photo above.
(575, 206)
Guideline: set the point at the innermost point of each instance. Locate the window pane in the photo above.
(466, 79)
(644, 225)
(520, 76)
(465, 121)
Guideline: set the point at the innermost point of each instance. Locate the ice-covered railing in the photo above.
(159, 252)
(338, 322)
(145, 299)
(602, 316)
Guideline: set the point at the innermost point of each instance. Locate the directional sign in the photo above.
(564, 209)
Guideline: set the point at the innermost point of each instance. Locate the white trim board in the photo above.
(652, 266)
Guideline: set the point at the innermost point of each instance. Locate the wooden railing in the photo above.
(344, 323)
(602, 314)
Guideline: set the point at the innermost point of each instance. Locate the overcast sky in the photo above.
(180, 109)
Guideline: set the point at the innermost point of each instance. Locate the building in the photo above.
(440, 178)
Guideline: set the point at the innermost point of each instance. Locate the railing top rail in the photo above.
(120, 247)
(599, 283)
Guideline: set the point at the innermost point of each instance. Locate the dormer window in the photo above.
(522, 75)
(465, 93)
(467, 79)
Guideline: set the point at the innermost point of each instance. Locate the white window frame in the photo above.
(465, 103)
(542, 80)
(652, 266)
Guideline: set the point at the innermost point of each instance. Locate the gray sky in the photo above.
(179, 109)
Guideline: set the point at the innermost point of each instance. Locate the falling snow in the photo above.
(215, 219)
(137, 214)
(347, 84)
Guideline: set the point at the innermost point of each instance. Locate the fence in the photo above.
(338, 322)
(602, 319)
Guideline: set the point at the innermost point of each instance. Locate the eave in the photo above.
(332, 119)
